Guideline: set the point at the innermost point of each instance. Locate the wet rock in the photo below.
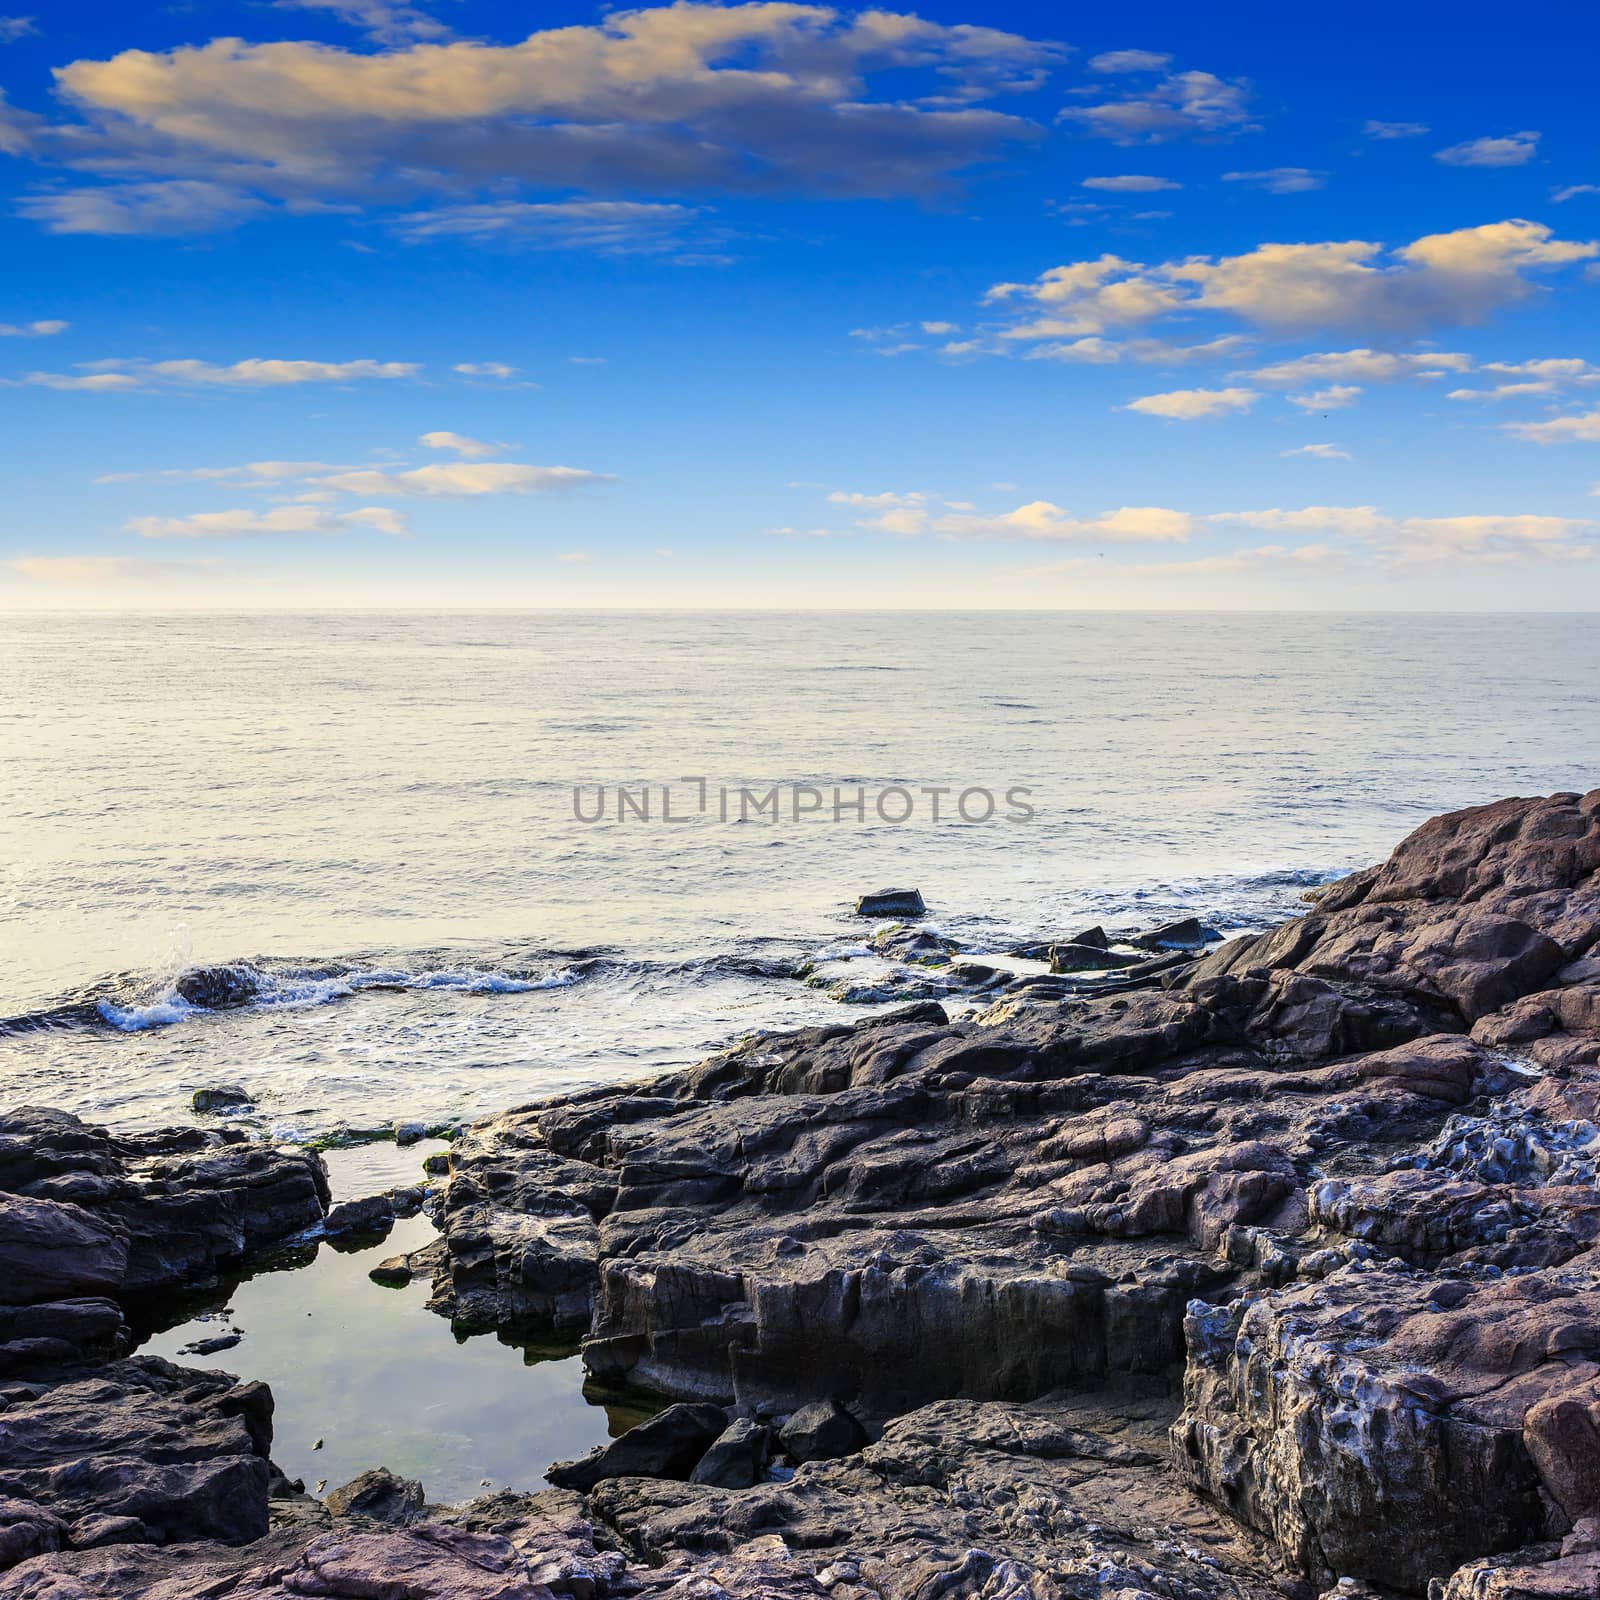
(219, 988)
(821, 1431)
(186, 1203)
(1088, 957)
(1189, 933)
(891, 903)
(410, 1132)
(377, 1495)
(737, 1458)
(669, 1445)
(214, 1345)
(224, 1097)
(919, 945)
(372, 1217)
(393, 1273)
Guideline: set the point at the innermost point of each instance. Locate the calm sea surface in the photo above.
(369, 818)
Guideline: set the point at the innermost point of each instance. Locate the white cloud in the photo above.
(1334, 398)
(162, 206)
(1504, 391)
(1096, 351)
(1323, 452)
(1572, 190)
(381, 21)
(1183, 103)
(485, 369)
(612, 227)
(1443, 278)
(31, 330)
(939, 329)
(1279, 180)
(250, 374)
(14, 28)
(1365, 366)
(254, 524)
(1130, 61)
(462, 479)
(1193, 405)
(1091, 350)
(1513, 150)
(655, 101)
(1130, 183)
(1375, 129)
(261, 474)
(459, 443)
(575, 556)
(1552, 369)
(92, 382)
(848, 497)
(1583, 428)
(1041, 520)
(1494, 539)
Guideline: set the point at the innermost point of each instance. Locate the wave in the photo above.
(249, 985)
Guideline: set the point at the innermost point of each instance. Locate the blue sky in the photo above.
(350, 302)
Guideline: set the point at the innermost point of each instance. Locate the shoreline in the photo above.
(1060, 1294)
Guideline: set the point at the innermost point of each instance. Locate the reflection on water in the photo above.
(367, 1376)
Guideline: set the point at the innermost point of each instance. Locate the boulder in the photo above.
(378, 1495)
(50, 1250)
(737, 1458)
(371, 1217)
(173, 1454)
(223, 1097)
(1088, 957)
(1188, 933)
(891, 903)
(821, 1431)
(669, 1445)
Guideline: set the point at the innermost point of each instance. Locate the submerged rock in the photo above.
(225, 1097)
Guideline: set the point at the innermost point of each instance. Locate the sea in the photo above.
(346, 859)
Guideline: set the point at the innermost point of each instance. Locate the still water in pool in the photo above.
(367, 1376)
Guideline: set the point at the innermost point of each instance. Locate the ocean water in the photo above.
(368, 820)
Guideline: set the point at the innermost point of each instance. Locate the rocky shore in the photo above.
(1269, 1271)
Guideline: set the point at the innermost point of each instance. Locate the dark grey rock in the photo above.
(1088, 957)
(371, 1217)
(821, 1431)
(1189, 933)
(737, 1459)
(379, 1495)
(223, 1097)
(891, 903)
(669, 1445)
